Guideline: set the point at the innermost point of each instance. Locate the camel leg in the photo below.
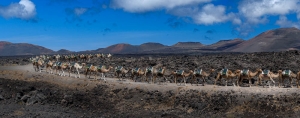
(273, 82)
(249, 79)
(298, 83)
(217, 79)
(103, 76)
(291, 82)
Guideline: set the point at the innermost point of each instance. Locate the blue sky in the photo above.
(90, 24)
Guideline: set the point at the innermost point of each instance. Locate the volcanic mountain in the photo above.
(64, 51)
(12, 49)
(222, 45)
(273, 40)
(188, 45)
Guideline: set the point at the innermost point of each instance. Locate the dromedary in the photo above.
(149, 73)
(201, 74)
(103, 70)
(181, 74)
(286, 74)
(227, 75)
(268, 75)
(91, 68)
(120, 71)
(159, 73)
(76, 67)
(49, 65)
(37, 64)
(137, 72)
(298, 78)
(247, 74)
(60, 67)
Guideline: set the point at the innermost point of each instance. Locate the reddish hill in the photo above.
(273, 40)
(120, 49)
(11, 49)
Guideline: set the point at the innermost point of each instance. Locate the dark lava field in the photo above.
(24, 93)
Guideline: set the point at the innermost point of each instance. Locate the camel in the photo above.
(82, 57)
(268, 75)
(286, 74)
(57, 57)
(120, 71)
(49, 65)
(109, 55)
(298, 78)
(182, 74)
(61, 67)
(149, 73)
(103, 70)
(201, 74)
(159, 73)
(76, 67)
(227, 75)
(37, 64)
(89, 69)
(247, 74)
(137, 72)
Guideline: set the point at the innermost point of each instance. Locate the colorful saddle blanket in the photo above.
(265, 72)
(119, 68)
(245, 71)
(58, 64)
(88, 66)
(179, 72)
(198, 71)
(160, 70)
(72, 64)
(286, 72)
(224, 71)
(101, 66)
(136, 70)
(149, 69)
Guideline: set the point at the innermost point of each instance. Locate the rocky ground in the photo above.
(25, 93)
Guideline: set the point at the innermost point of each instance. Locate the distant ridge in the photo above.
(273, 40)
(281, 39)
(12, 49)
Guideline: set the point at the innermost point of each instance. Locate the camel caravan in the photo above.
(75, 65)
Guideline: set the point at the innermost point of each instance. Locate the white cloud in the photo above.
(138, 6)
(211, 14)
(25, 9)
(255, 10)
(80, 11)
(284, 22)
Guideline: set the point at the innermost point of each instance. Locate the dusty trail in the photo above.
(85, 83)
